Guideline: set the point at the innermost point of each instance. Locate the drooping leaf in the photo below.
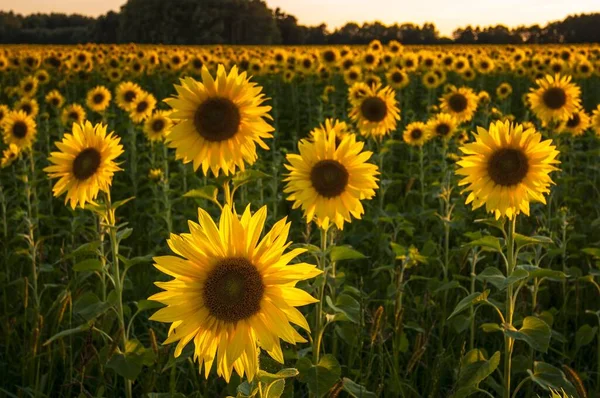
(356, 390)
(473, 373)
(339, 253)
(321, 377)
(469, 301)
(534, 332)
(548, 376)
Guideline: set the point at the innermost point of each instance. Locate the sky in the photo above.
(447, 15)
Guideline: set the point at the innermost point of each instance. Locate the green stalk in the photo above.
(422, 176)
(472, 310)
(508, 341)
(319, 315)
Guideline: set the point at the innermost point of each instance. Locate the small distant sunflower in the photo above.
(430, 80)
(85, 163)
(9, 155)
(19, 129)
(576, 124)
(42, 76)
(416, 134)
(126, 94)
(233, 293)
(461, 103)
(397, 78)
(328, 181)
(370, 59)
(98, 99)
(352, 75)
(506, 168)
(555, 99)
(221, 121)
(157, 126)
(55, 99)
(376, 113)
(442, 125)
(595, 120)
(73, 113)
(330, 56)
(28, 105)
(142, 107)
(357, 92)
(504, 90)
(28, 86)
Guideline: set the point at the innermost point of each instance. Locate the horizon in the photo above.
(446, 17)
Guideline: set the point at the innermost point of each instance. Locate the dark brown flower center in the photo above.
(158, 125)
(86, 164)
(28, 87)
(54, 101)
(442, 129)
(329, 178)
(373, 109)
(98, 98)
(19, 129)
(369, 59)
(415, 134)
(457, 102)
(233, 290)
(74, 116)
(142, 106)
(555, 98)
(217, 119)
(26, 108)
(574, 120)
(129, 96)
(508, 166)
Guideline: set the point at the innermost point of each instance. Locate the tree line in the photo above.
(253, 22)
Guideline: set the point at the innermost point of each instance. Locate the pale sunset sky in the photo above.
(447, 15)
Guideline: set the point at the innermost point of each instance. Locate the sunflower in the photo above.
(85, 163)
(126, 93)
(576, 124)
(142, 107)
(42, 76)
(595, 120)
(504, 90)
(341, 129)
(328, 181)
(506, 168)
(9, 155)
(352, 75)
(233, 293)
(376, 113)
(555, 99)
(4, 111)
(397, 78)
(55, 99)
(220, 121)
(28, 105)
(330, 57)
(357, 92)
(416, 134)
(461, 103)
(157, 126)
(73, 113)
(98, 99)
(19, 129)
(430, 80)
(28, 86)
(442, 125)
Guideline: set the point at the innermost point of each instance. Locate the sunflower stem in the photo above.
(422, 176)
(508, 341)
(319, 315)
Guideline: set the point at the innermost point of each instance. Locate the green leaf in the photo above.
(492, 222)
(522, 240)
(247, 176)
(453, 284)
(124, 366)
(120, 203)
(90, 247)
(356, 390)
(474, 373)
(592, 251)
(491, 327)
(322, 377)
(339, 253)
(537, 272)
(346, 305)
(124, 234)
(208, 192)
(275, 389)
(81, 328)
(91, 264)
(489, 243)
(88, 306)
(548, 376)
(585, 335)
(144, 305)
(266, 377)
(517, 276)
(492, 275)
(469, 301)
(534, 332)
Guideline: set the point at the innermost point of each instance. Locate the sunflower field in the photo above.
(372, 221)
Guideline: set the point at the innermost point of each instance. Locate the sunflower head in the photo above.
(127, 92)
(158, 126)
(98, 99)
(9, 155)
(85, 164)
(461, 103)
(555, 98)
(73, 114)
(233, 293)
(576, 124)
(376, 113)
(55, 99)
(442, 125)
(220, 121)
(416, 134)
(328, 180)
(142, 107)
(19, 129)
(506, 168)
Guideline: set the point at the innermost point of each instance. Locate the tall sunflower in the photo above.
(72, 114)
(555, 99)
(55, 99)
(157, 126)
(28, 105)
(9, 155)
(376, 113)
(142, 107)
(506, 168)
(85, 163)
(442, 125)
(328, 181)
(126, 93)
(461, 103)
(220, 121)
(98, 99)
(576, 124)
(233, 293)
(19, 129)
(416, 134)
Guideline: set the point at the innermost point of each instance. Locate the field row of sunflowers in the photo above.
(379, 221)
